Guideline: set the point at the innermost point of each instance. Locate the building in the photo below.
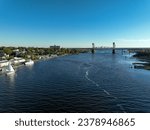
(55, 47)
(18, 60)
(2, 54)
(4, 63)
(16, 52)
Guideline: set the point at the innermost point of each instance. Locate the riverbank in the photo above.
(15, 66)
(143, 55)
(19, 56)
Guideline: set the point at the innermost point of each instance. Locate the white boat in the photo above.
(10, 70)
(30, 62)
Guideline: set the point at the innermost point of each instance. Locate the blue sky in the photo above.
(75, 23)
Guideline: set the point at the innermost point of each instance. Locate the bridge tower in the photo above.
(114, 46)
(93, 48)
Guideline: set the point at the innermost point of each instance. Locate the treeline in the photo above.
(35, 52)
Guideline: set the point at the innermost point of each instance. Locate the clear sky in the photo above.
(75, 23)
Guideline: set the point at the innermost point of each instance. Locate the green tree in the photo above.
(8, 51)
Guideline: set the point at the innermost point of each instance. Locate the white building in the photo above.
(18, 60)
(4, 63)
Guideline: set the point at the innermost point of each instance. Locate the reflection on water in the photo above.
(30, 66)
(11, 78)
(92, 56)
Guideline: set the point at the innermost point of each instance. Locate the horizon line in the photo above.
(102, 47)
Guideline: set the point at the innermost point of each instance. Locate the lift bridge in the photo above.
(96, 48)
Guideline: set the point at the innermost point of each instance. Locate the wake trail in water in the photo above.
(121, 107)
(105, 91)
(86, 76)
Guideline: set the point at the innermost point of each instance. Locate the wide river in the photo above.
(102, 82)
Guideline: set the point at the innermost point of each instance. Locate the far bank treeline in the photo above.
(35, 52)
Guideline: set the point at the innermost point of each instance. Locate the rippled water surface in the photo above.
(77, 83)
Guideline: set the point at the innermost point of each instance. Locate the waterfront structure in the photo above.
(114, 46)
(16, 52)
(4, 63)
(93, 48)
(18, 60)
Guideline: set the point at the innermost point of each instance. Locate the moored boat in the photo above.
(30, 62)
(10, 70)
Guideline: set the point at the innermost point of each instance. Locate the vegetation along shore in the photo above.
(17, 56)
(144, 56)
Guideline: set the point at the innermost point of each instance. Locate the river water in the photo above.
(102, 82)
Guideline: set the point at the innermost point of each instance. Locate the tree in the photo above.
(8, 51)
